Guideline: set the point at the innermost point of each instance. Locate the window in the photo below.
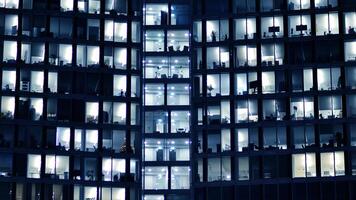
(302, 80)
(272, 5)
(33, 166)
(243, 168)
(112, 193)
(351, 106)
(302, 108)
(8, 80)
(246, 56)
(178, 41)
(115, 31)
(218, 85)
(61, 27)
(303, 165)
(90, 192)
(180, 122)
(154, 41)
(52, 82)
(180, 178)
(136, 32)
(120, 85)
(325, 3)
(272, 54)
(11, 25)
(327, 24)
(85, 140)
(268, 82)
(246, 111)
(113, 169)
(156, 178)
(350, 53)
(197, 31)
(180, 14)
(178, 94)
(66, 5)
(299, 25)
(303, 137)
(118, 7)
(350, 22)
(6, 164)
(113, 140)
(329, 78)
(218, 141)
(156, 122)
(350, 73)
(272, 27)
(274, 138)
(245, 29)
(90, 169)
(92, 112)
(10, 54)
(13, 4)
(63, 138)
(57, 166)
(154, 94)
(274, 109)
(330, 107)
(247, 139)
(217, 30)
(218, 57)
(60, 54)
(219, 113)
(244, 6)
(119, 113)
(352, 132)
(331, 135)
(298, 4)
(332, 164)
(219, 169)
(93, 29)
(156, 14)
(246, 83)
(167, 150)
(88, 56)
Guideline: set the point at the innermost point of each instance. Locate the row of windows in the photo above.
(295, 108)
(159, 14)
(326, 190)
(157, 178)
(62, 82)
(167, 150)
(61, 139)
(247, 6)
(22, 191)
(62, 28)
(307, 137)
(117, 7)
(249, 168)
(273, 27)
(64, 110)
(298, 80)
(57, 167)
(66, 54)
(274, 54)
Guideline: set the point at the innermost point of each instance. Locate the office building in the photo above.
(177, 99)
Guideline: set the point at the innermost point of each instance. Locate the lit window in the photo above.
(332, 164)
(303, 165)
(33, 166)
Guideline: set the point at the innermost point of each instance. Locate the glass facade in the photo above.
(70, 99)
(177, 99)
(272, 99)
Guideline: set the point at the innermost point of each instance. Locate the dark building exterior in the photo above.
(177, 99)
